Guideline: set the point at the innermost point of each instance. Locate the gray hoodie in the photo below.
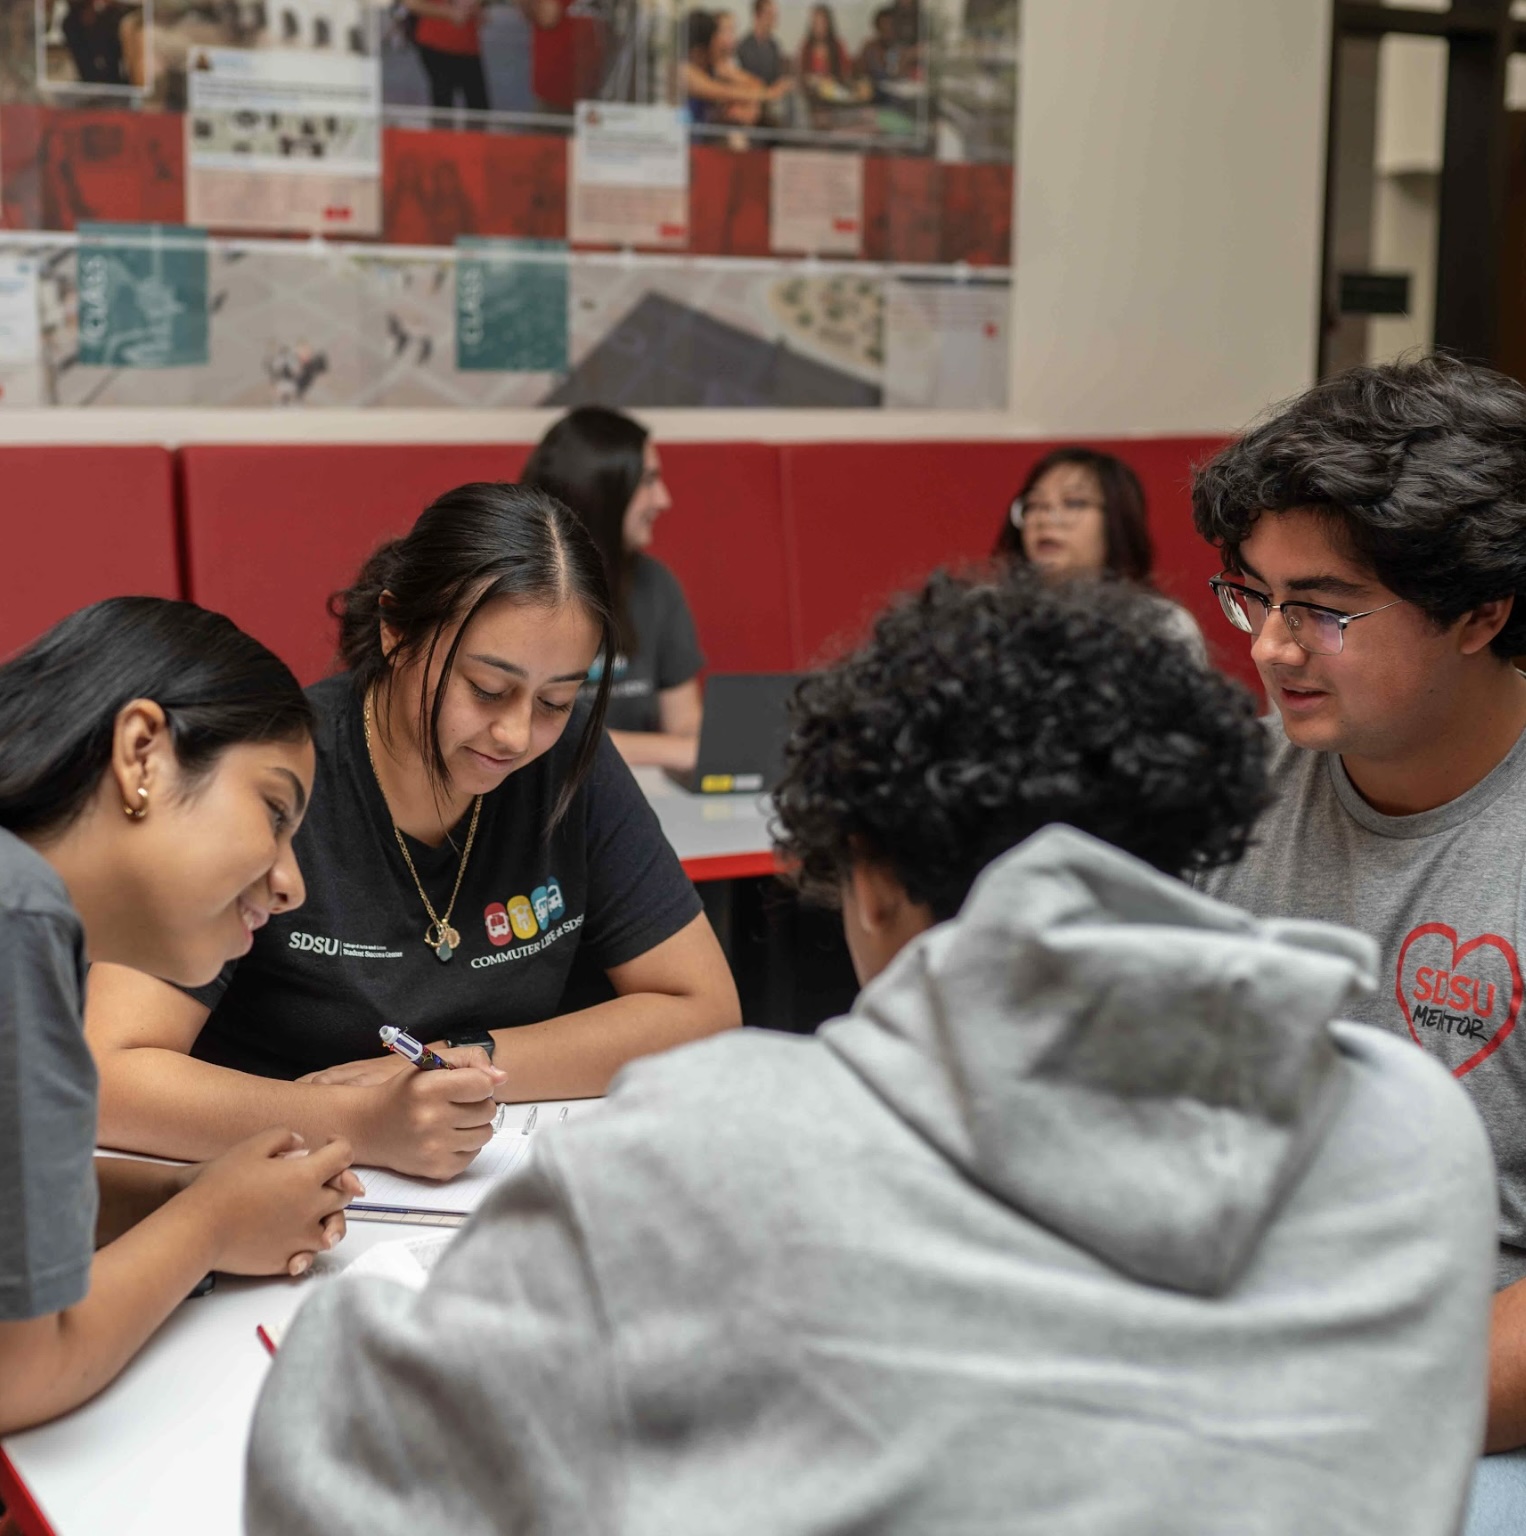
(1087, 1219)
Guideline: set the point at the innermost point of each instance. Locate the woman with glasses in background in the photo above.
(1081, 512)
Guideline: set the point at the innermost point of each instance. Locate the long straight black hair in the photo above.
(1125, 520)
(469, 546)
(593, 459)
(60, 697)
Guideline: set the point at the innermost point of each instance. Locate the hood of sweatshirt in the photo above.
(1134, 1065)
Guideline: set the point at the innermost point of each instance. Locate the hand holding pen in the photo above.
(394, 1039)
(433, 1120)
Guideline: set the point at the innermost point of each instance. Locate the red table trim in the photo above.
(732, 866)
(19, 1503)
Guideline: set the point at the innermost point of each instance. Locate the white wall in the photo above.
(1169, 211)
(1171, 174)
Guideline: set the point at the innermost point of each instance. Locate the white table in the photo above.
(161, 1451)
(716, 837)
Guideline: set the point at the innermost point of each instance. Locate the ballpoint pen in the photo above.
(409, 1049)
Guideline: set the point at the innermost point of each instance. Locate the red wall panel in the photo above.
(868, 520)
(725, 540)
(59, 166)
(272, 531)
(81, 524)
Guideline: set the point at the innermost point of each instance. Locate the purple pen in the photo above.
(394, 1039)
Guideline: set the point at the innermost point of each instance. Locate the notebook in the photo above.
(402, 1195)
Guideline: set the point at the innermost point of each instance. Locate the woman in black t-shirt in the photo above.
(472, 831)
(606, 468)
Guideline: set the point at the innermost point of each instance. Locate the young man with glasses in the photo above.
(1373, 534)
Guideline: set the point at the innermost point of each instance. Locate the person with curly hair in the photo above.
(1086, 1218)
(1373, 534)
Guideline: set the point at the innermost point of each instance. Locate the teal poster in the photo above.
(511, 305)
(142, 296)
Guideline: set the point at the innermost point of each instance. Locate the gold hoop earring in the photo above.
(137, 812)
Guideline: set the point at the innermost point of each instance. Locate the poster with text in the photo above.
(946, 344)
(629, 183)
(816, 202)
(142, 296)
(511, 305)
(20, 337)
(283, 139)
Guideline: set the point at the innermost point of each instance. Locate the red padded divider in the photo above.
(272, 531)
(724, 539)
(80, 524)
(868, 520)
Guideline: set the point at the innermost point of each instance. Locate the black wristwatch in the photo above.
(474, 1037)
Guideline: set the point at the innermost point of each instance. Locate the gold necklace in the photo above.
(439, 935)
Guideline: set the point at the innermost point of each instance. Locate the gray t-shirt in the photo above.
(762, 57)
(1443, 894)
(47, 1092)
(667, 648)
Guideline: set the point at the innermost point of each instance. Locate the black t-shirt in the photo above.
(667, 648)
(321, 981)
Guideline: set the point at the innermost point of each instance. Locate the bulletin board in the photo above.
(477, 203)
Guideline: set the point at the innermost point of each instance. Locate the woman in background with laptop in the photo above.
(605, 467)
(472, 833)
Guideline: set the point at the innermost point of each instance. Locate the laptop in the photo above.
(741, 740)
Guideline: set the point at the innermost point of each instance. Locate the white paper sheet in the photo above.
(389, 1191)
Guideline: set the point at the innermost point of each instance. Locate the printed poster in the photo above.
(283, 139)
(511, 305)
(21, 381)
(630, 176)
(816, 202)
(97, 51)
(142, 296)
(20, 335)
(946, 344)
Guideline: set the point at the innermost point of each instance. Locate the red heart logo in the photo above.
(1454, 1005)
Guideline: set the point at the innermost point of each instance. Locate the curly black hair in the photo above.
(1421, 469)
(984, 708)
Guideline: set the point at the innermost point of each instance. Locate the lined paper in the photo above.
(390, 1192)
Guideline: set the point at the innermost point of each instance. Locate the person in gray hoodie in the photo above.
(1091, 1216)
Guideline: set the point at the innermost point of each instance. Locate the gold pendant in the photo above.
(442, 939)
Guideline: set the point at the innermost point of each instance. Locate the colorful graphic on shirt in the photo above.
(499, 929)
(1460, 998)
(522, 917)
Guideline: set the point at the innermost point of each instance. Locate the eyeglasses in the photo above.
(1319, 631)
(1069, 510)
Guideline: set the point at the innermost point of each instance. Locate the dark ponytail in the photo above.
(59, 701)
(469, 546)
(593, 460)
